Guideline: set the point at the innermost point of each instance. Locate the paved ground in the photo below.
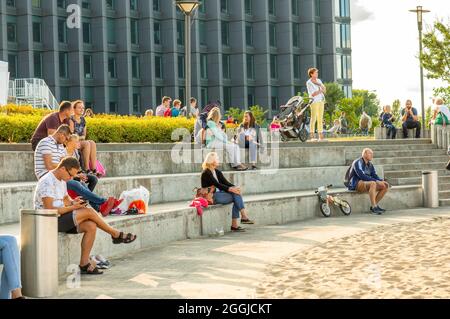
(233, 266)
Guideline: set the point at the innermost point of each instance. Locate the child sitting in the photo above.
(387, 119)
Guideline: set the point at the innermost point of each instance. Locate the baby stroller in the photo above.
(293, 119)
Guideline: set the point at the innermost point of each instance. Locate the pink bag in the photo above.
(101, 171)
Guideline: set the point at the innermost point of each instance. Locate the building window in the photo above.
(204, 95)
(112, 68)
(11, 29)
(37, 32)
(63, 65)
(274, 98)
(12, 66)
(202, 31)
(110, 4)
(318, 36)
(295, 7)
(273, 66)
(136, 103)
(272, 7)
(202, 6)
(319, 62)
(225, 33)
(224, 6)
(296, 35)
(38, 65)
(250, 66)
(272, 35)
(226, 66)
(204, 66)
(343, 37)
(157, 33)
(156, 5)
(88, 67)
(134, 31)
(248, 7)
(111, 31)
(297, 70)
(36, 3)
(317, 8)
(158, 67)
(181, 94)
(135, 67)
(11, 3)
(343, 7)
(62, 31)
(159, 94)
(180, 32)
(87, 32)
(251, 96)
(249, 34)
(112, 107)
(133, 5)
(227, 97)
(181, 66)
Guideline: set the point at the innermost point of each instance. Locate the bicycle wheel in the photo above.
(345, 207)
(325, 209)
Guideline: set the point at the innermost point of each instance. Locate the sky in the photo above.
(385, 47)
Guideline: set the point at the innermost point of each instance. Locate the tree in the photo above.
(396, 109)
(371, 104)
(333, 97)
(350, 107)
(436, 55)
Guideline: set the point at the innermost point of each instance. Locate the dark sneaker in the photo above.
(375, 211)
(238, 229)
(383, 210)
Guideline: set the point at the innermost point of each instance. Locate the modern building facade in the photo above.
(126, 54)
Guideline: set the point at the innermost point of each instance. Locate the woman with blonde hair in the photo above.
(217, 139)
(88, 148)
(226, 192)
(316, 91)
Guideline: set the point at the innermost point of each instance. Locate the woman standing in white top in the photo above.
(316, 91)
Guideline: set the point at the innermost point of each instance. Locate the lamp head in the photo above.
(187, 6)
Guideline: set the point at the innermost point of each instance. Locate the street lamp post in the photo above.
(188, 8)
(420, 11)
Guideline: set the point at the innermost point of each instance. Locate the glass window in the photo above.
(110, 4)
(36, 3)
(181, 66)
(272, 35)
(251, 96)
(12, 66)
(224, 5)
(274, 98)
(158, 67)
(272, 7)
(135, 66)
(202, 31)
(111, 31)
(296, 35)
(297, 66)
(62, 31)
(204, 66)
(38, 65)
(202, 6)
(225, 33)
(156, 5)
(63, 65)
(133, 5)
(249, 34)
(317, 8)
(273, 66)
(180, 32)
(88, 66)
(112, 68)
(11, 3)
(318, 36)
(134, 31)
(159, 94)
(136, 103)
(87, 32)
(11, 30)
(37, 32)
(226, 66)
(204, 95)
(250, 66)
(248, 7)
(295, 7)
(157, 33)
(227, 97)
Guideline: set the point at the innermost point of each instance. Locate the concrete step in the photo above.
(179, 187)
(411, 160)
(444, 202)
(400, 174)
(444, 194)
(176, 221)
(444, 181)
(396, 153)
(414, 166)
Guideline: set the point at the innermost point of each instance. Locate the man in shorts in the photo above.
(364, 179)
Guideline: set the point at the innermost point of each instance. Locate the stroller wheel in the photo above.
(283, 138)
(303, 135)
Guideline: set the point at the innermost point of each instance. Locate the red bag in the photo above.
(206, 193)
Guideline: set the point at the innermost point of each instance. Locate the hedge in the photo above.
(18, 123)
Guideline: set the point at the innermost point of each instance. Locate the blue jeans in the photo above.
(94, 200)
(228, 198)
(10, 258)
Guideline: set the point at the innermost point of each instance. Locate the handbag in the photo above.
(206, 193)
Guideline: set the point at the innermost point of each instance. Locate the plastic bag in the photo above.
(101, 171)
(131, 198)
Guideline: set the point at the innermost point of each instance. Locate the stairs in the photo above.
(34, 92)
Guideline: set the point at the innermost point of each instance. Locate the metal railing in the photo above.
(32, 91)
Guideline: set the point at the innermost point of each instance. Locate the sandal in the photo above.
(89, 269)
(124, 240)
(238, 229)
(247, 221)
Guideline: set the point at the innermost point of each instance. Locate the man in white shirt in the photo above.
(74, 216)
(160, 110)
(316, 91)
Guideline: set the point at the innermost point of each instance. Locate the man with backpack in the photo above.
(362, 178)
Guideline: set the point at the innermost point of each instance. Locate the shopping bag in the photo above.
(135, 198)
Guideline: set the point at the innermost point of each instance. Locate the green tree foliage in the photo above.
(396, 109)
(350, 107)
(371, 104)
(436, 55)
(333, 97)
(238, 114)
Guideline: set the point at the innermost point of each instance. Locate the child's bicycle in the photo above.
(326, 200)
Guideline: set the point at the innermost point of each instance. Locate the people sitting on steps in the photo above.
(226, 192)
(216, 139)
(75, 217)
(387, 120)
(88, 149)
(343, 127)
(250, 137)
(410, 119)
(441, 113)
(50, 123)
(48, 155)
(365, 123)
(10, 282)
(364, 179)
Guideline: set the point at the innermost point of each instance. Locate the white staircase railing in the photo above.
(32, 91)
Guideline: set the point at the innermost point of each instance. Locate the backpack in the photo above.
(348, 175)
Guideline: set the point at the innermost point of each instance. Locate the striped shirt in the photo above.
(47, 146)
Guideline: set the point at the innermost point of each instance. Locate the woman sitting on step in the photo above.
(226, 193)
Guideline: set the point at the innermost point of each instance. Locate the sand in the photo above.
(400, 261)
